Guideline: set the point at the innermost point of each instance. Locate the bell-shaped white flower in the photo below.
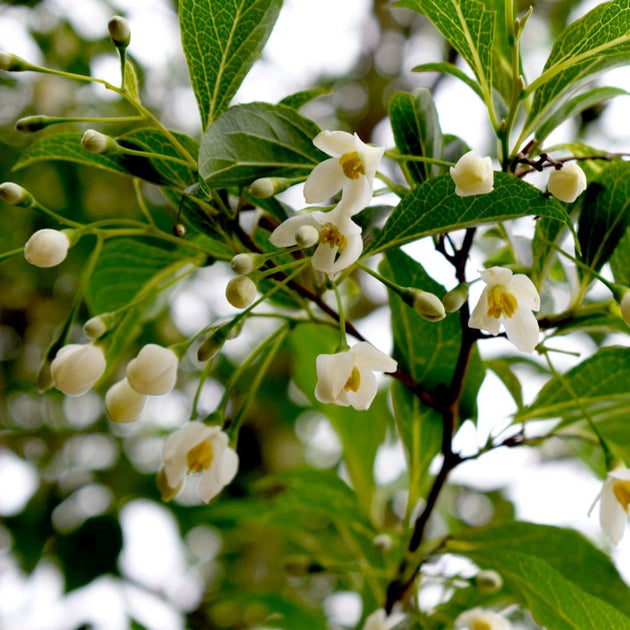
(124, 404)
(380, 620)
(614, 500)
(340, 243)
(198, 448)
(46, 248)
(347, 378)
(154, 371)
(481, 619)
(567, 182)
(509, 300)
(351, 169)
(76, 367)
(473, 175)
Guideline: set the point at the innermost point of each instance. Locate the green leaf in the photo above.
(123, 268)
(576, 105)
(258, 140)
(620, 260)
(605, 215)
(546, 236)
(67, 146)
(544, 567)
(468, 27)
(417, 132)
(450, 68)
(503, 369)
(434, 208)
(597, 386)
(221, 41)
(299, 99)
(597, 41)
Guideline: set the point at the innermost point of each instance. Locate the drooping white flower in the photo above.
(340, 243)
(198, 448)
(614, 500)
(509, 300)
(481, 619)
(380, 620)
(567, 182)
(473, 175)
(123, 403)
(76, 367)
(347, 378)
(46, 248)
(154, 371)
(351, 169)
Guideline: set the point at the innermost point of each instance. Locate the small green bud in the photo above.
(425, 304)
(13, 63)
(95, 327)
(246, 263)
(97, 142)
(488, 581)
(455, 298)
(15, 195)
(34, 123)
(119, 31)
(306, 236)
(241, 292)
(268, 186)
(212, 343)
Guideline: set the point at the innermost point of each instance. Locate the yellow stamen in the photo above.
(479, 624)
(200, 457)
(621, 489)
(500, 302)
(330, 235)
(352, 165)
(354, 381)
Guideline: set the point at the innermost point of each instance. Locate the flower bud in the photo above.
(473, 175)
(241, 292)
(213, 343)
(383, 542)
(268, 186)
(15, 195)
(46, 248)
(489, 581)
(567, 182)
(95, 327)
(246, 263)
(97, 142)
(119, 31)
(13, 63)
(76, 367)
(124, 404)
(306, 236)
(624, 304)
(455, 298)
(154, 371)
(428, 305)
(34, 123)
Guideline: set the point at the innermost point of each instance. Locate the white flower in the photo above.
(614, 500)
(379, 620)
(198, 448)
(347, 378)
(481, 619)
(46, 248)
(76, 367)
(351, 169)
(124, 404)
(567, 183)
(509, 300)
(340, 243)
(154, 371)
(473, 175)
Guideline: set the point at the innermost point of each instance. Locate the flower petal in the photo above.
(333, 371)
(479, 318)
(367, 356)
(284, 234)
(335, 143)
(326, 179)
(522, 329)
(612, 516)
(523, 289)
(363, 397)
(496, 275)
(228, 466)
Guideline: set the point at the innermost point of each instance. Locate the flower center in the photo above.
(352, 165)
(330, 235)
(480, 624)
(200, 457)
(501, 302)
(621, 489)
(354, 381)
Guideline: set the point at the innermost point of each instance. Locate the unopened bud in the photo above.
(383, 542)
(119, 31)
(154, 371)
(212, 344)
(15, 195)
(427, 305)
(95, 327)
(47, 248)
(166, 492)
(241, 292)
(97, 142)
(34, 123)
(624, 304)
(13, 63)
(567, 182)
(473, 175)
(268, 186)
(124, 404)
(455, 298)
(488, 581)
(76, 367)
(306, 236)
(246, 263)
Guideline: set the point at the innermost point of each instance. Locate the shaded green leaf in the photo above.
(221, 41)
(620, 260)
(299, 99)
(450, 68)
(434, 208)
(258, 140)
